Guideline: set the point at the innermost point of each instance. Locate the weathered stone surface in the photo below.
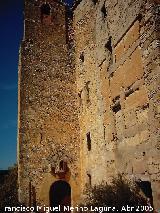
(120, 75)
(88, 95)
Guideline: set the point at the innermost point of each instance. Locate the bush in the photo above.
(120, 194)
(9, 190)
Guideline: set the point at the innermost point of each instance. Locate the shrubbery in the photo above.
(119, 194)
(9, 190)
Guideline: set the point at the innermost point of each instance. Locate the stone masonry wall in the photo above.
(88, 96)
(117, 69)
(48, 121)
(90, 116)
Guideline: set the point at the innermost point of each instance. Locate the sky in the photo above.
(11, 25)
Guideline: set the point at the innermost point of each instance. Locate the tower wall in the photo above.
(48, 122)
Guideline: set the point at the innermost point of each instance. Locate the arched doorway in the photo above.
(60, 194)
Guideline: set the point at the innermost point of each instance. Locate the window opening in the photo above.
(108, 45)
(81, 57)
(143, 153)
(104, 11)
(145, 106)
(46, 13)
(45, 9)
(88, 141)
(80, 97)
(111, 76)
(62, 166)
(95, 1)
(139, 17)
(116, 99)
(89, 179)
(116, 108)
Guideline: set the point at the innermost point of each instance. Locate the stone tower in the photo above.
(48, 141)
(88, 98)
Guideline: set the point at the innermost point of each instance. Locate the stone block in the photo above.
(133, 68)
(142, 116)
(109, 133)
(108, 118)
(139, 166)
(116, 82)
(134, 138)
(131, 36)
(131, 131)
(143, 136)
(130, 118)
(153, 168)
(129, 73)
(119, 124)
(136, 60)
(119, 50)
(137, 99)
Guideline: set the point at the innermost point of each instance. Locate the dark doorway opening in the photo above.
(60, 194)
(146, 188)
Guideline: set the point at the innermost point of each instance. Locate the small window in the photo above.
(95, 1)
(104, 11)
(80, 97)
(111, 76)
(116, 99)
(81, 57)
(62, 166)
(145, 106)
(89, 141)
(139, 17)
(45, 14)
(108, 45)
(116, 108)
(45, 9)
(89, 179)
(129, 92)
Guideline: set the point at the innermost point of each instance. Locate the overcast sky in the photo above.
(11, 24)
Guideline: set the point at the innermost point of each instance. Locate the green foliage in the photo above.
(9, 190)
(120, 193)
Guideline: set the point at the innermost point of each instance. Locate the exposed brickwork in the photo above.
(88, 95)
